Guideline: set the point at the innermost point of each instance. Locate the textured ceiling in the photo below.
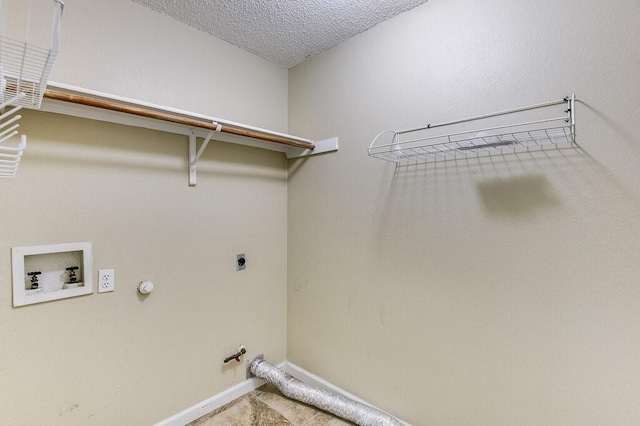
(285, 32)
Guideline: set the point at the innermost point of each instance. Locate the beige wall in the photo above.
(493, 293)
(496, 293)
(118, 358)
(122, 48)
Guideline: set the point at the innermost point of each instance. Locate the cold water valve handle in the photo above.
(34, 279)
(237, 355)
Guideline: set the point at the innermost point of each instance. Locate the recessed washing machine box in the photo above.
(51, 272)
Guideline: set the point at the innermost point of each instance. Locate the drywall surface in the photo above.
(123, 358)
(494, 292)
(123, 48)
(120, 358)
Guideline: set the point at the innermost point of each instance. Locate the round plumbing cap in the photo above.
(145, 287)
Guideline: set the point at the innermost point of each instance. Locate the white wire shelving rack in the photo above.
(10, 151)
(29, 43)
(418, 145)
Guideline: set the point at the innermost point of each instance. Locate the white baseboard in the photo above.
(313, 380)
(242, 388)
(216, 401)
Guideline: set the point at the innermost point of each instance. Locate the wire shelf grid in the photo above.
(28, 49)
(411, 147)
(10, 150)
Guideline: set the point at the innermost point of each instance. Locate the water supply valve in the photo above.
(72, 274)
(237, 355)
(34, 279)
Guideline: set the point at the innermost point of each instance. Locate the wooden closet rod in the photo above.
(173, 118)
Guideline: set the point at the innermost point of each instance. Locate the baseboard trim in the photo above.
(313, 380)
(198, 410)
(216, 401)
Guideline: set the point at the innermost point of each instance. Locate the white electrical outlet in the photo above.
(106, 280)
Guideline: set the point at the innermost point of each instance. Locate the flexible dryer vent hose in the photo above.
(339, 405)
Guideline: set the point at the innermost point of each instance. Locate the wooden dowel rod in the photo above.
(267, 137)
(173, 118)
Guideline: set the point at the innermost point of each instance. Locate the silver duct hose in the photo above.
(358, 413)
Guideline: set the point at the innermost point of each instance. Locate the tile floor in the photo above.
(266, 406)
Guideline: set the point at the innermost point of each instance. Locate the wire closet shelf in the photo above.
(29, 40)
(10, 152)
(418, 145)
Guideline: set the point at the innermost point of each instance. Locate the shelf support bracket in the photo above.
(195, 156)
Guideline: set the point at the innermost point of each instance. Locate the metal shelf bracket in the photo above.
(195, 156)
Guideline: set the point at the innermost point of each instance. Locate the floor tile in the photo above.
(294, 411)
(244, 411)
(325, 419)
(266, 406)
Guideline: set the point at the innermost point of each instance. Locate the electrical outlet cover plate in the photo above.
(106, 280)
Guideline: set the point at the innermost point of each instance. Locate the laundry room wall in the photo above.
(123, 358)
(494, 291)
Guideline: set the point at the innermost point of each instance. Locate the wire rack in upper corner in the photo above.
(29, 38)
(417, 146)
